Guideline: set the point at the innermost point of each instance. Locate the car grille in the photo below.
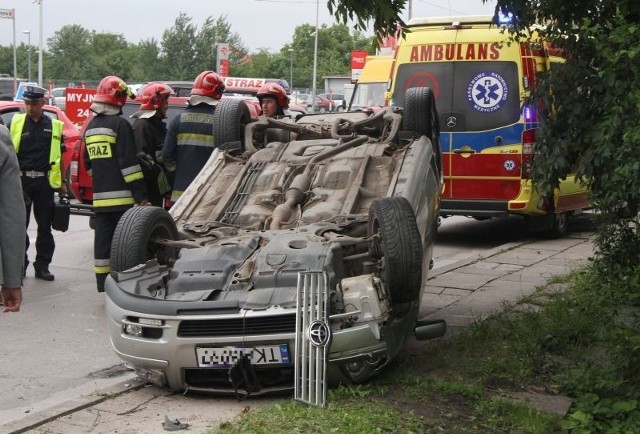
(263, 325)
(313, 337)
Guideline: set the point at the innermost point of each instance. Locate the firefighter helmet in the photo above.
(153, 94)
(112, 90)
(208, 83)
(276, 91)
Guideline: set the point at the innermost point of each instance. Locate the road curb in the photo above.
(79, 403)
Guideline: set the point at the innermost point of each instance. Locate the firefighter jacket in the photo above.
(55, 146)
(188, 145)
(110, 159)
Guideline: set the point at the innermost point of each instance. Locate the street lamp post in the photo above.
(39, 2)
(28, 33)
(291, 70)
(315, 62)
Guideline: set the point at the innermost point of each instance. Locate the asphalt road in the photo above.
(57, 349)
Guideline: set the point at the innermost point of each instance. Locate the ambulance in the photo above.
(371, 87)
(482, 83)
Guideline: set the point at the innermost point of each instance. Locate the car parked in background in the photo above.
(57, 97)
(80, 181)
(8, 109)
(322, 105)
(338, 102)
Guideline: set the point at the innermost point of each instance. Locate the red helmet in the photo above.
(276, 91)
(153, 94)
(208, 83)
(113, 90)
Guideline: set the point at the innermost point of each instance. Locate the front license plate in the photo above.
(225, 357)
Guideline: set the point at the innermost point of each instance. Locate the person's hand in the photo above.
(12, 299)
(63, 189)
(144, 202)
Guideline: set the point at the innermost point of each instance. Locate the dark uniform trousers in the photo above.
(104, 226)
(39, 193)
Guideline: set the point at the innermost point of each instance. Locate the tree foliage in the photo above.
(592, 128)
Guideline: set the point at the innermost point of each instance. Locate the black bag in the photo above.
(61, 214)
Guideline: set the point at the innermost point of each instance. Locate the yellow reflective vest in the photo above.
(55, 176)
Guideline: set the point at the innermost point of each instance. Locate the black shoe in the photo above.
(44, 274)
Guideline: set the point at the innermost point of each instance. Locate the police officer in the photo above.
(150, 131)
(189, 142)
(110, 158)
(38, 142)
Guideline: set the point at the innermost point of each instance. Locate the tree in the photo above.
(594, 110)
(109, 56)
(70, 47)
(385, 14)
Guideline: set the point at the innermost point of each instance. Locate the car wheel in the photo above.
(419, 111)
(229, 120)
(67, 176)
(322, 110)
(397, 246)
(559, 225)
(134, 240)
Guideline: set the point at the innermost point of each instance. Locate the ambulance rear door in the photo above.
(475, 80)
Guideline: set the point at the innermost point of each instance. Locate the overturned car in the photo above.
(294, 261)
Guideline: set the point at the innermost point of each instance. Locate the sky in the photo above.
(268, 24)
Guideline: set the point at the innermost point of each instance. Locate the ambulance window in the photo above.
(482, 95)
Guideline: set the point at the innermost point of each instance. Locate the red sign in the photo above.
(224, 68)
(78, 103)
(358, 59)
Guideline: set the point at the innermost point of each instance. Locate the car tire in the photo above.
(67, 177)
(419, 111)
(133, 243)
(396, 244)
(559, 225)
(229, 120)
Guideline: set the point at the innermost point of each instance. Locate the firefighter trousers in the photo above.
(104, 226)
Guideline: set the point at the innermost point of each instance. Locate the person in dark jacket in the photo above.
(39, 144)
(190, 142)
(13, 231)
(150, 131)
(110, 158)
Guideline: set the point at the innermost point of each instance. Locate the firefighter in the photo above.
(110, 158)
(273, 100)
(189, 141)
(150, 130)
(38, 142)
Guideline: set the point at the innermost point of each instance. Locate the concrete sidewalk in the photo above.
(460, 293)
(475, 288)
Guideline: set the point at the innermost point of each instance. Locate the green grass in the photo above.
(578, 337)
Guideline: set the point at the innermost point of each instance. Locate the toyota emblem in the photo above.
(319, 334)
(452, 121)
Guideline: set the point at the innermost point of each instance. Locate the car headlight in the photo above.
(142, 327)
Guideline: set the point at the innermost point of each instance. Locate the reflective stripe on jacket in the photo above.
(110, 155)
(188, 145)
(55, 176)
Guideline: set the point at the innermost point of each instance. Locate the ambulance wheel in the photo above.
(138, 237)
(396, 245)
(559, 225)
(419, 111)
(229, 120)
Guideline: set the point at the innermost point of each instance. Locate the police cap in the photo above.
(32, 93)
